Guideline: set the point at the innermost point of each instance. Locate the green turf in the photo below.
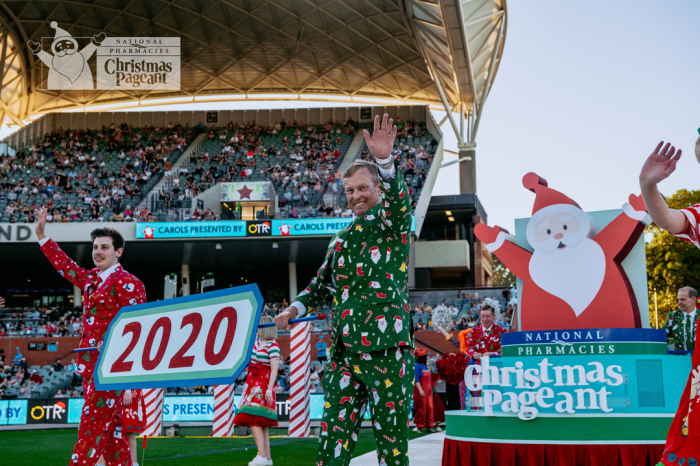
(54, 447)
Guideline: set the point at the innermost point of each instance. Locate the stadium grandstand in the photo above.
(263, 187)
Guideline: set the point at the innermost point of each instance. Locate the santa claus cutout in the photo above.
(574, 278)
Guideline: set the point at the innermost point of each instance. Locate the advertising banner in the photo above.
(164, 230)
(175, 409)
(239, 228)
(245, 191)
(47, 411)
(315, 226)
(13, 412)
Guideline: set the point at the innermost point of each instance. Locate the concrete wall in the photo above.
(40, 358)
(78, 232)
(442, 254)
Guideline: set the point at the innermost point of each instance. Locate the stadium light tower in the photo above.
(462, 42)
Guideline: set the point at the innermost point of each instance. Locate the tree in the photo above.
(501, 274)
(671, 262)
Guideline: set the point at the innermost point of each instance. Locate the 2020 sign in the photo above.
(204, 339)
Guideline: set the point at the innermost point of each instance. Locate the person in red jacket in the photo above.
(106, 289)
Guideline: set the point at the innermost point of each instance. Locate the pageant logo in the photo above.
(122, 63)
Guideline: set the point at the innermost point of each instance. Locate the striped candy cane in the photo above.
(223, 411)
(299, 415)
(153, 402)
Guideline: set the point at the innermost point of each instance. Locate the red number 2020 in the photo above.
(179, 359)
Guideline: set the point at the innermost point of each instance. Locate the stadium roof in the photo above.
(373, 51)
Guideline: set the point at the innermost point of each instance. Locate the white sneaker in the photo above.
(438, 429)
(258, 461)
(416, 429)
(269, 462)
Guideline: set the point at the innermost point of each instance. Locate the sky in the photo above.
(584, 92)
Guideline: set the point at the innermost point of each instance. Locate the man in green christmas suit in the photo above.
(682, 324)
(365, 270)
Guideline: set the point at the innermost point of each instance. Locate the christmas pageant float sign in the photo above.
(585, 377)
(205, 339)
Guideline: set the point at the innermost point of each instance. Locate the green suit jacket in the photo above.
(366, 272)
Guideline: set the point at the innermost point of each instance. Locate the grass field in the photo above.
(54, 448)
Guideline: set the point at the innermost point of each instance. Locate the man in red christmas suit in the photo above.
(106, 289)
(574, 277)
(485, 339)
(683, 440)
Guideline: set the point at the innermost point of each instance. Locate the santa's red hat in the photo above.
(545, 196)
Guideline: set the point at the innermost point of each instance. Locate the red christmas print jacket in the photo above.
(101, 304)
(482, 342)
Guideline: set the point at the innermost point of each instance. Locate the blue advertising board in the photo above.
(13, 412)
(241, 228)
(167, 230)
(196, 408)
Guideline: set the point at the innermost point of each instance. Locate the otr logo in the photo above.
(48, 412)
(259, 228)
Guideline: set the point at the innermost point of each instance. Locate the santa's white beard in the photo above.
(70, 66)
(574, 274)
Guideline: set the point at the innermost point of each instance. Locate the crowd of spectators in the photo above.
(466, 309)
(17, 379)
(88, 175)
(39, 322)
(299, 159)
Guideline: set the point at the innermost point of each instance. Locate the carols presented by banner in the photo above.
(204, 339)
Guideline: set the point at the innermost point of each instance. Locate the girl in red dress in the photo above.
(423, 394)
(258, 406)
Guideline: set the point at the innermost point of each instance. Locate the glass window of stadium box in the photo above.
(447, 254)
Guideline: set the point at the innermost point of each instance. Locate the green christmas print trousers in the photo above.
(381, 379)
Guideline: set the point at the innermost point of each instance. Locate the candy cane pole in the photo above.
(223, 411)
(299, 415)
(153, 402)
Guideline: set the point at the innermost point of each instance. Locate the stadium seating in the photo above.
(88, 160)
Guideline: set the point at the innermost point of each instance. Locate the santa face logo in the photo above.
(381, 323)
(346, 293)
(341, 415)
(374, 284)
(344, 380)
(398, 324)
(375, 395)
(341, 262)
(374, 254)
(346, 330)
(566, 262)
(388, 253)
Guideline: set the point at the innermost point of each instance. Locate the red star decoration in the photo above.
(245, 192)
